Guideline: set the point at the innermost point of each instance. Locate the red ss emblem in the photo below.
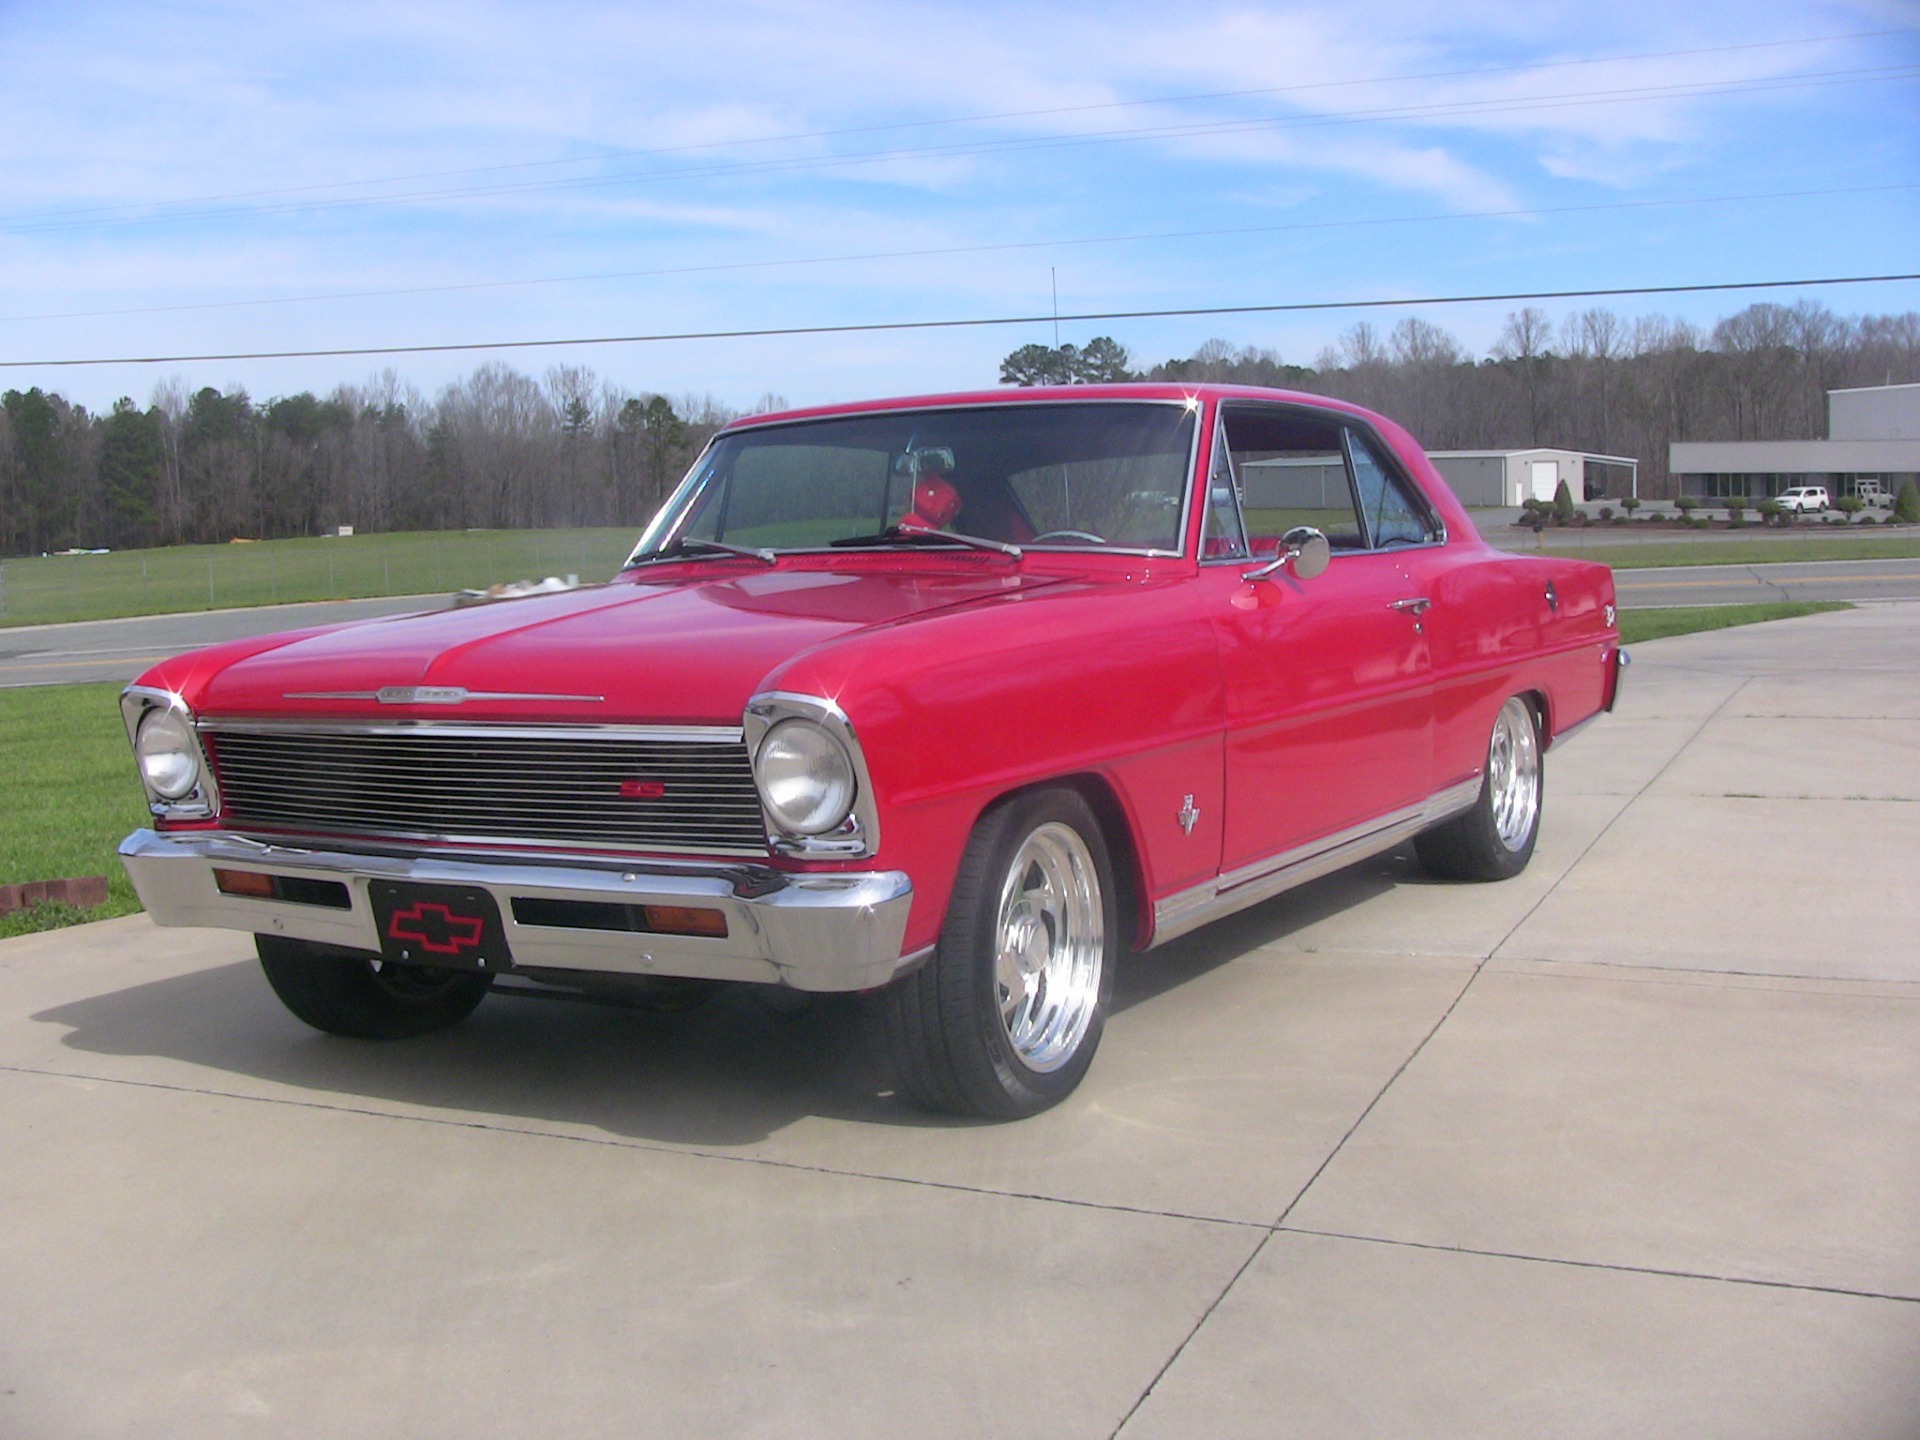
(642, 789)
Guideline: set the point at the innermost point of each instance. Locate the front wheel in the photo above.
(344, 992)
(1004, 1020)
(1494, 840)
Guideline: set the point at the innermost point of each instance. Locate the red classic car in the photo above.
(951, 698)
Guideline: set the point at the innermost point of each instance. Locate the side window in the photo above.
(1292, 468)
(1391, 514)
(1225, 536)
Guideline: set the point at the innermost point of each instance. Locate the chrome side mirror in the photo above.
(1304, 548)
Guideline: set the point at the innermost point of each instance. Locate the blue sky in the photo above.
(199, 178)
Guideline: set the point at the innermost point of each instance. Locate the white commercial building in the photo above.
(1873, 433)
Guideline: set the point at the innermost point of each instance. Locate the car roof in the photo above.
(1152, 391)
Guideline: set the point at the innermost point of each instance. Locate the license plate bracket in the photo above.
(457, 927)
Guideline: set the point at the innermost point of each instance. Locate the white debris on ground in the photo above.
(514, 589)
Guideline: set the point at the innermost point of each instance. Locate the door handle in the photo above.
(1419, 605)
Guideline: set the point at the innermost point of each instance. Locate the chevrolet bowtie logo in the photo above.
(436, 929)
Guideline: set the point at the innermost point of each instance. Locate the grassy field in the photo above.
(1632, 555)
(1638, 625)
(69, 796)
(48, 589)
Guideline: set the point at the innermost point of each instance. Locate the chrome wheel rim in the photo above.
(1050, 943)
(1513, 774)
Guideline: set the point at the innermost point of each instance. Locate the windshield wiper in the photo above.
(686, 549)
(901, 535)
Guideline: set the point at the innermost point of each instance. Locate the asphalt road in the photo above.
(1628, 1145)
(1745, 584)
(118, 650)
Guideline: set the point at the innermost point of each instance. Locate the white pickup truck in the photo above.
(1873, 493)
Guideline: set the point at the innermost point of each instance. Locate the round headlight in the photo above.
(806, 778)
(169, 763)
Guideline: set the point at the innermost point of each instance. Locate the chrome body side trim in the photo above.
(810, 932)
(436, 695)
(1188, 910)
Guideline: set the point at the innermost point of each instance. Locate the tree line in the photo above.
(1599, 381)
(497, 449)
(503, 449)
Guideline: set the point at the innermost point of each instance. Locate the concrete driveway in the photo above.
(1628, 1146)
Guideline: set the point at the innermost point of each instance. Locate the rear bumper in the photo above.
(1616, 672)
(811, 932)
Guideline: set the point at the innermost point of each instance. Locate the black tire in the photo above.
(346, 992)
(1491, 841)
(951, 1041)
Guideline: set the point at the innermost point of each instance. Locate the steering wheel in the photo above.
(1068, 535)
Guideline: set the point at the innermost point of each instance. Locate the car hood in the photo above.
(657, 651)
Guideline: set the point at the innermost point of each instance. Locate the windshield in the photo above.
(1085, 475)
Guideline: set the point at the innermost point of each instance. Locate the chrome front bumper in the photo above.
(811, 932)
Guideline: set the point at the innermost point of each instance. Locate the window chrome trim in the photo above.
(859, 834)
(680, 507)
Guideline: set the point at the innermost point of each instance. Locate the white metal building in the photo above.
(1489, 478)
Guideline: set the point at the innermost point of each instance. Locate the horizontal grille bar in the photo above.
(506, 787)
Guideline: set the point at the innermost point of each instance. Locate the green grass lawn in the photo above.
(1638, 625)
(1631, 555)
(69, 795)
(47, 589)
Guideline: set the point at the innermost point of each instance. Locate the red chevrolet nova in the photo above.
(954, 698)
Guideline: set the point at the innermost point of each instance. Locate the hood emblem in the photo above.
(435, 695)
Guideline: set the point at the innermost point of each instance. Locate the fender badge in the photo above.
(1188, 816)
(421, 694)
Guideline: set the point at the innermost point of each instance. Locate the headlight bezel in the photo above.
(805, 777)
(196, 799)
(854, 834)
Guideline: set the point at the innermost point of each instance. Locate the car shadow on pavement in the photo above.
(726, 1073)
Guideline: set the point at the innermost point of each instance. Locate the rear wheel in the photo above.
(1494, 840)
(345, 992)
(1004, 1020)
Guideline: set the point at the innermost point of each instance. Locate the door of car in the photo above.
(1329, 704)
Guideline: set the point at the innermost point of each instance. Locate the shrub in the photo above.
(1850, 504)
(1563, 503)
(1907, 508)
(1630, 504)
(1770, 511)
(1736, 513)
(1868, 520)
(1686, 505)
(1605, 512)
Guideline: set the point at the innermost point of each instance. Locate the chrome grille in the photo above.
(509, 785)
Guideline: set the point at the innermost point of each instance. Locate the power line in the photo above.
(873, 327)
(960, 150)
(991, 117)
(728, 267)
